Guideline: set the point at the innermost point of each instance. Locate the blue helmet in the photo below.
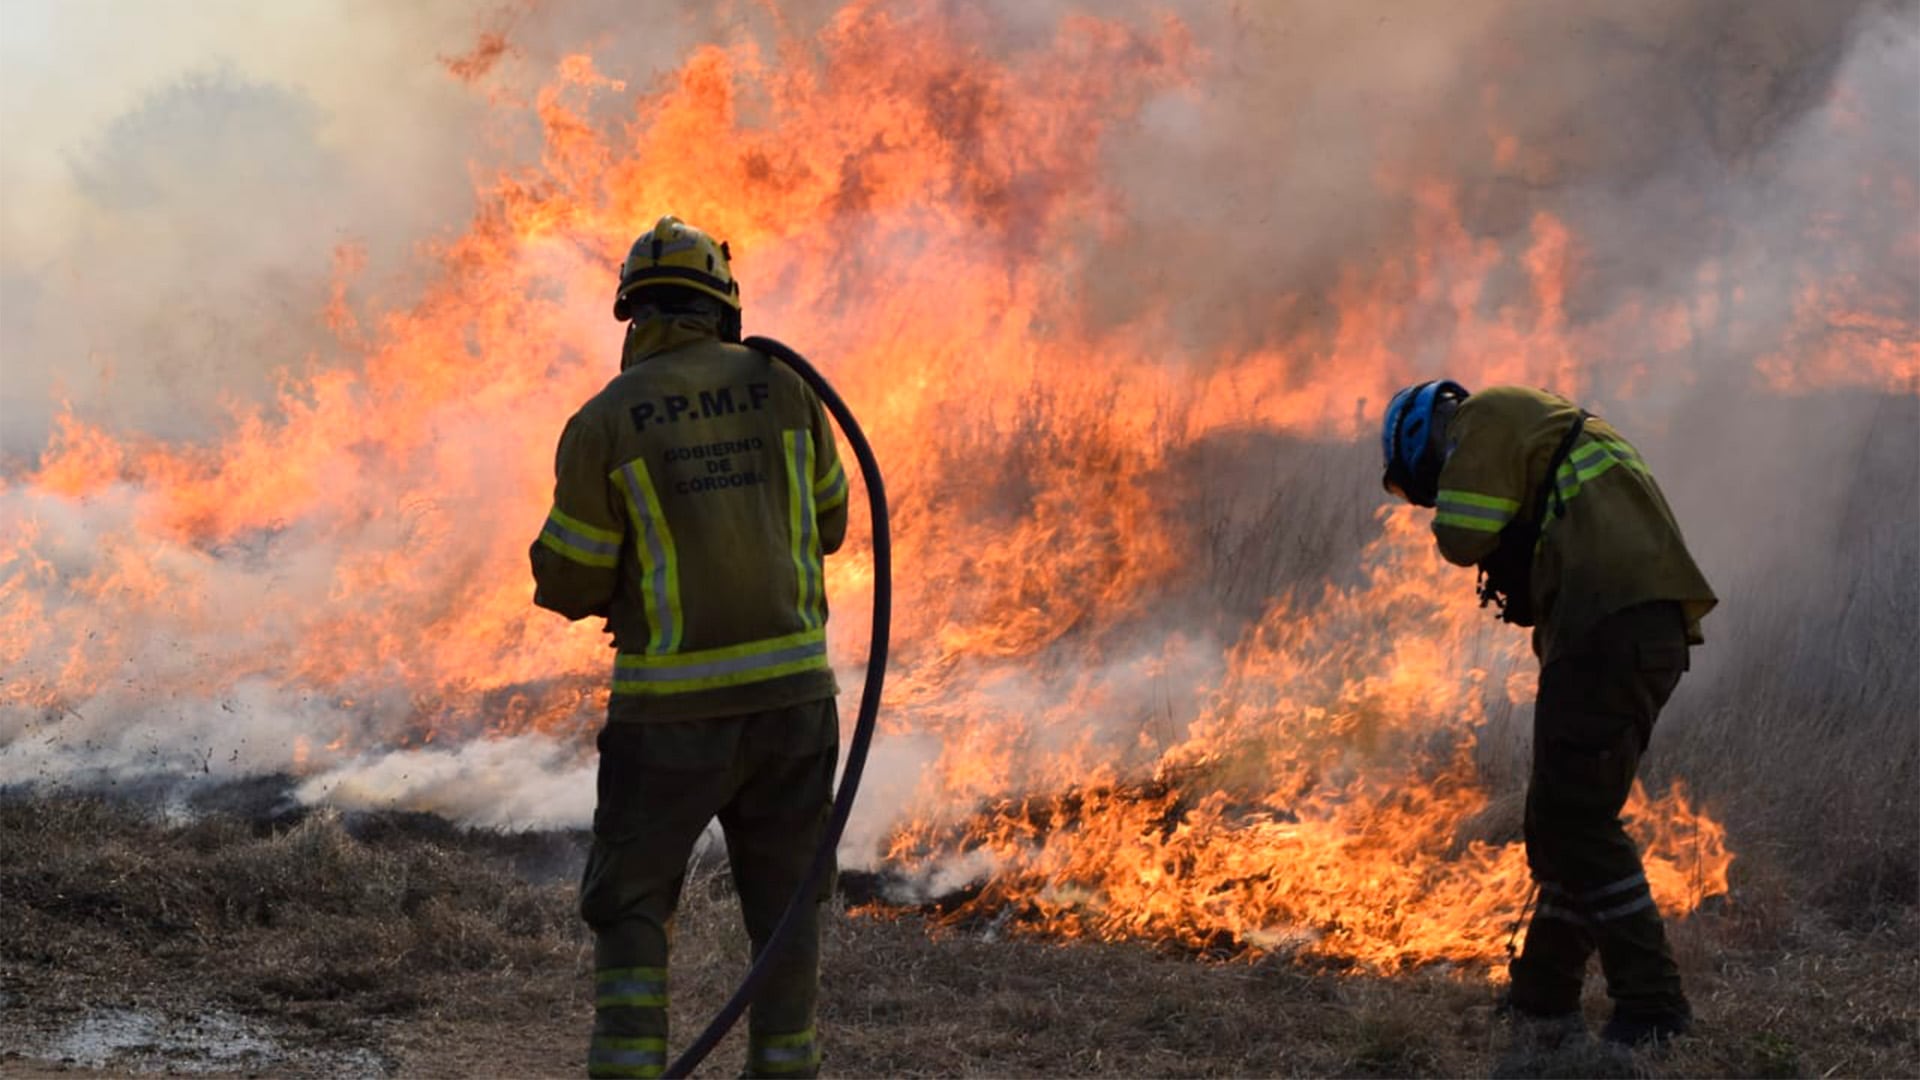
(1409, 440)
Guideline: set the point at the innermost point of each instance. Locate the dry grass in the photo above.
(397, 945)
(330, 934)
(401, 946)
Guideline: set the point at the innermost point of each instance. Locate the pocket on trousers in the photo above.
(1584, 763)
(638, 804)
(796, 731)
(638, 800)
(1660, 664)
(1587, 763)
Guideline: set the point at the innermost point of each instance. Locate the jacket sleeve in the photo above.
(576, 558)
(829, 483)
(1482, 485)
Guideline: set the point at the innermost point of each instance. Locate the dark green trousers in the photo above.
(1592, 720)
(768, 778)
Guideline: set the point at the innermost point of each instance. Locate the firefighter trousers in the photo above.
(1592, 721)
(768, 778)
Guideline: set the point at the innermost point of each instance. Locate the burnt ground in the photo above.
(293, 944)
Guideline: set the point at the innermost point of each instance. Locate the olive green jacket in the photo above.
(694, 498)
(1608, 542)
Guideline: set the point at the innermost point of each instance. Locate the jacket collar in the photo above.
(650, 335)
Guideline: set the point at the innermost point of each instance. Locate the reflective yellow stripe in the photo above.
(733, 665)
(1472, 510)
(803, 529)
(1468, 521)
(1589, 462)
(1591, 458)
(622, 1056)
(579, 541)
(1474, 498)
(640, 987)
(831, 490)
(591, 532)
(784, 1053)
(659, 562)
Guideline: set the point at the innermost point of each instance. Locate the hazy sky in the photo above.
(70, 67)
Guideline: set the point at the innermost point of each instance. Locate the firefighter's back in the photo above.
(721, 604)
(1609, 541)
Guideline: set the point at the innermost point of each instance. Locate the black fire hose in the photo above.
(729, 1013)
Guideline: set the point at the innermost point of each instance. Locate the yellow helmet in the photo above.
(675, 253)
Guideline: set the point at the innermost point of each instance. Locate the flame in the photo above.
(1317, 805)
(927, 222)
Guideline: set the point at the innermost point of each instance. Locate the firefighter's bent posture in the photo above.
(694, 499)
(1575, 539)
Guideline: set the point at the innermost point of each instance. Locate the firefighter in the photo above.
(1573, 538)
(694, 499)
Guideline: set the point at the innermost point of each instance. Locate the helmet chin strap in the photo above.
(1443, 410)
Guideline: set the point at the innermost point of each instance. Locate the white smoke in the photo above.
(173, 223)
(519, 782)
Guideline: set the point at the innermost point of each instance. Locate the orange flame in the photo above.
(925, 221)
(1318, 804)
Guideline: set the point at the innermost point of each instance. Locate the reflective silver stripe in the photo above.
(806, 545)
(631, 992)
(729, 665)
(831, 489)
(1619, 886)
(1637, 904)
(734, 665)
(785, 1053)
(580, 540)
(1485, 513)
(1576, 475)
(1589, 461)
(1555, 911)
(629, 1056)
(661, 594)
(803, 467)
(1590, 453)
(576, 545)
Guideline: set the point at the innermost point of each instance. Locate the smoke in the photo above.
(521, 782)
(1666, 137)
(193, 239)
(185, 190)
(180, 188)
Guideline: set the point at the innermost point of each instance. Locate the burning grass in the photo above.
(1180, 687)
(321, 944)
(1132, 548)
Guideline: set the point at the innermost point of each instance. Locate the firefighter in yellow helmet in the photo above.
(1574, 539)
(694, 499)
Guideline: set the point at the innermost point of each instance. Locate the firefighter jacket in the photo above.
(693, 500)
(1608, 540)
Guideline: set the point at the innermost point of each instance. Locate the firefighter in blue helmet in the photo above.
(694, 499)
(1574, 539)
